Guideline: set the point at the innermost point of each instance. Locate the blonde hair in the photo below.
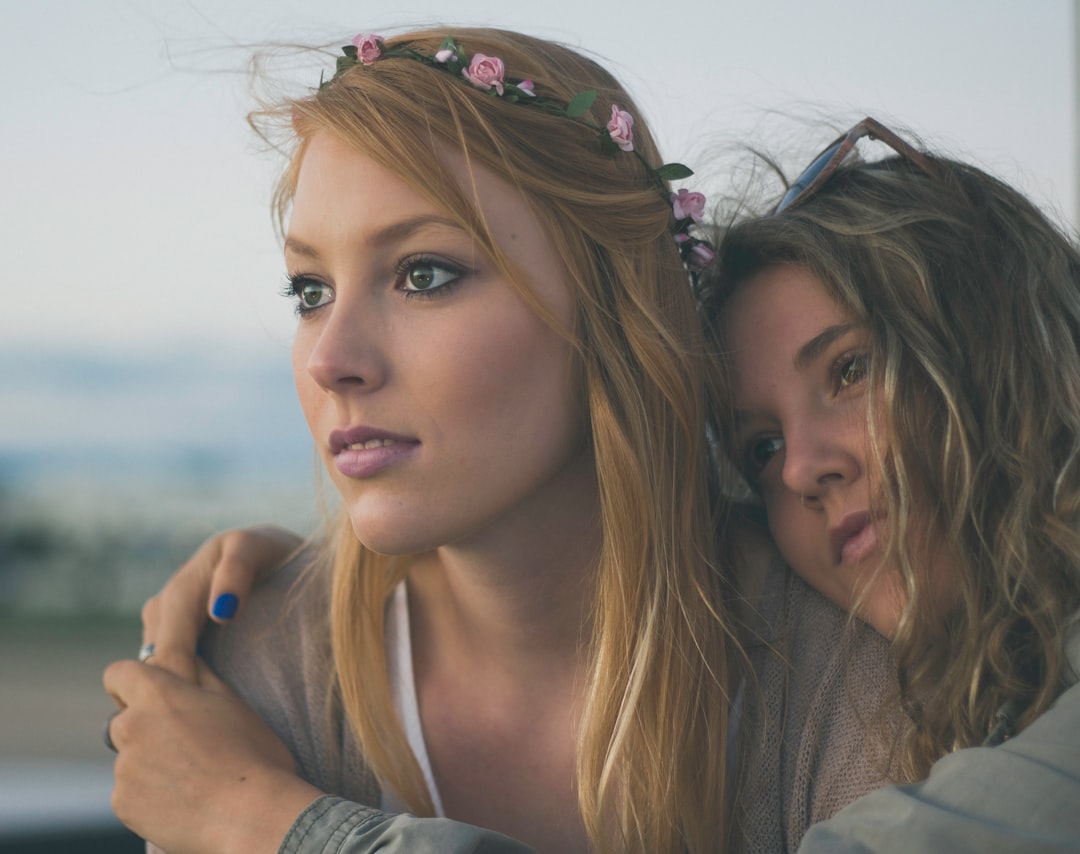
(971, 299)
(652, 745)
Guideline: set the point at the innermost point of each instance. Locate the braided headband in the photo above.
(488, 74)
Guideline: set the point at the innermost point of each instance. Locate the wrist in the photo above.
(263, 808)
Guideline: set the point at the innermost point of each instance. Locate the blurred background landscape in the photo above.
(113, 469)
(145, 390)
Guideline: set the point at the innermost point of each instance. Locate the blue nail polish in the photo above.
(225, 606)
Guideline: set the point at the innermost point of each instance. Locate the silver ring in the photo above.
(145, 651)
(107, 736)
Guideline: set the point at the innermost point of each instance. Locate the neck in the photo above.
(518, 597)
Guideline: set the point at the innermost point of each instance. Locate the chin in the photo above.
(883, 607)
(884, 624)
(392, 537)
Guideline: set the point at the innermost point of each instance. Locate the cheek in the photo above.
(802, 538)
(512, 379)
(795, 530)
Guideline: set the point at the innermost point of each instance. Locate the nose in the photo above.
(821, 454)
(342, 351)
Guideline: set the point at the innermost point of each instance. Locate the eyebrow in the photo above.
(806, 355)
(394, 232)
(819, 343)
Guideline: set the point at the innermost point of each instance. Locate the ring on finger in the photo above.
(145, 651)
(107, 735)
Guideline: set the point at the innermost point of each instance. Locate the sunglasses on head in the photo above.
(826, 163)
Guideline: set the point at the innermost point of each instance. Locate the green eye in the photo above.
(312, 295)
(428, 276)
(307, 294)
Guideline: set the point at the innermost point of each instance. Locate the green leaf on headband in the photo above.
(344, 63)
(351, 51)
(674, 171)
(580, 103)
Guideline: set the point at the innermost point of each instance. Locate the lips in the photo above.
(362, 452)
(363, 438)
(855, 538)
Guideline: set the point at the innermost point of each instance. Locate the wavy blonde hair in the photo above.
(652, 744)
(971, 298)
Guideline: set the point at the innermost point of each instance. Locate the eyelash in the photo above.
(751, 467)
(294, 284)
(410, 264)
(840, 365)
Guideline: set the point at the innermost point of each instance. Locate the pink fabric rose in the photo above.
(621, 128)
(485, 72)
(443, 56)
(526, 87)
(368, 47)
(687, 205)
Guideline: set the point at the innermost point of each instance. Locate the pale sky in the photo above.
(134, 201)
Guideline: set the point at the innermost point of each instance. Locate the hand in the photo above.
(196, 769)
(228, 564)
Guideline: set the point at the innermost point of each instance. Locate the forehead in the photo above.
(337, 183)
(336, 179)
(344, 198)
(779, 307)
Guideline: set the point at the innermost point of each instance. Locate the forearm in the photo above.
(1020, 797)
(257, 814)
(264, 814)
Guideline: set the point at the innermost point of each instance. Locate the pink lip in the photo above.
(366, 462)
(855, 538)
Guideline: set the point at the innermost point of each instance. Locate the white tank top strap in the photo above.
(399, 663)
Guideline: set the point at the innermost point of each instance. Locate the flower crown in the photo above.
(489, 74)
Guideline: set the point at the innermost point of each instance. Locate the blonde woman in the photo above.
(520, 619)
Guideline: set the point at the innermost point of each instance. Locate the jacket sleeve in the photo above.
(335, 826)
(1022, 797)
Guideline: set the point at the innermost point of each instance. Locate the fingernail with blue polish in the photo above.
(225, 606)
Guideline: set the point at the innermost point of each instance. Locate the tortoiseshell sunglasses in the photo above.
(823, 166)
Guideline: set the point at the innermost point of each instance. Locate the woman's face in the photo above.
(800, 367)
(445, 410)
